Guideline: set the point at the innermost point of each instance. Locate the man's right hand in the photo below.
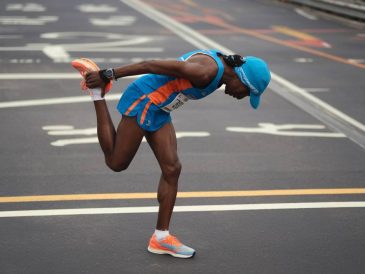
(93, 80)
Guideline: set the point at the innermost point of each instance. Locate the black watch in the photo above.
(107, 75)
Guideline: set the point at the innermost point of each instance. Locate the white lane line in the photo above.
(49, 101)
(55, 52)
(10, 36)
(38, 76)
(26, 21)
(27, 7)
(113, 21)
(46, 76)
(317, 89)
(94, 140)
(303, 60)
(201, 41)
(194, 208)
(293, 130)
(54, 101)
(305, 14)
(92, 8)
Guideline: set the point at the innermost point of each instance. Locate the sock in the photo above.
(96, 94)
(161, 234)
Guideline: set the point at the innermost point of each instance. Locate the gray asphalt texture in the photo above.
(264, 241)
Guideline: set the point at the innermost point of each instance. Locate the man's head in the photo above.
(255, 75)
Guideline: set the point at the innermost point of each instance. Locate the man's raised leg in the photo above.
(119, 146)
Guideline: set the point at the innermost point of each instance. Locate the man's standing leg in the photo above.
(164, 145)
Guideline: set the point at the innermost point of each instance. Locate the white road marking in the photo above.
(117, 49)
(192, 208)
(53, 101)
(305, 14)
(201, 41)
(59, 52)
(46, 76)
(96, 8)
(303, 60)
(38, 76)
(75, 35)
(317, 89)
(59, 130)
(346, 4)
(26, 21)
(57, 127)
(11, 36)
(326, 45)
(113, 21)
(27, 7)
(182, 134)
(330, 109)
(56, 52)
(75, 141)
(66, 130)
(284, 130)
(24, 61)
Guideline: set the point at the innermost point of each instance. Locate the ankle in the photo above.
(161, 234)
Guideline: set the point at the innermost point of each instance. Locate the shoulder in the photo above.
(208, 68)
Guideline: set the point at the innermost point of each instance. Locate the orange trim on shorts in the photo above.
(143, 117)
(134, 104)
(161, 94)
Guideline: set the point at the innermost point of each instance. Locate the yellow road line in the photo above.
(294, 33)
(197, 194)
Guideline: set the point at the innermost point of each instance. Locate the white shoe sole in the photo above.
(159, 251)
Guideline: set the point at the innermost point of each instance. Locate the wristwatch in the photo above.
(107, 75)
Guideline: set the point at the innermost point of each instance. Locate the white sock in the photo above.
(96, 94)
(161, 234)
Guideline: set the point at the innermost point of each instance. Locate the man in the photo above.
(146, 105)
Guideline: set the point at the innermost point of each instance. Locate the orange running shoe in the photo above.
(84, 65)
(170, 245)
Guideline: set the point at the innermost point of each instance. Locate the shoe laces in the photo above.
(172, 240)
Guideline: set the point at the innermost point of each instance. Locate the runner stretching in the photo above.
(145, 108)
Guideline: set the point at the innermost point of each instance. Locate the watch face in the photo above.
(109, 73)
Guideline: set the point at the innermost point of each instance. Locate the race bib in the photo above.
(179, 100)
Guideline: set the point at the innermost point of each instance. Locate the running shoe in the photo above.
(84, 65)
(170, 245)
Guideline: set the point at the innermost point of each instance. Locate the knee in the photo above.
(116, 167)
(171, 172)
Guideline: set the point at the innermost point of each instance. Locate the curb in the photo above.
(345, 9)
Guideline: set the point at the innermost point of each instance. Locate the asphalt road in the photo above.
(307, 214)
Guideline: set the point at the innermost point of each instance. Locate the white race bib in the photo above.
(179, 100)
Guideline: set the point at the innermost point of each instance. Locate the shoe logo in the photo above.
(172, 247)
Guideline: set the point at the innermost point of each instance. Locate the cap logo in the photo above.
(245, 80)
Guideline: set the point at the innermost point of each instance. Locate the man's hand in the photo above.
(93, 80)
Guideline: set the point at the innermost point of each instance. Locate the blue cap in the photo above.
(255, 75)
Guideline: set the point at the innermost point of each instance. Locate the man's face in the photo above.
(236, 89)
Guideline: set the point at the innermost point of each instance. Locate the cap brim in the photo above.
(254, 101)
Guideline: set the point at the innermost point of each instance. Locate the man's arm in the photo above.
(198, 73)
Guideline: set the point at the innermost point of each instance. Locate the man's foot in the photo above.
(170, 245)
(84, 65)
